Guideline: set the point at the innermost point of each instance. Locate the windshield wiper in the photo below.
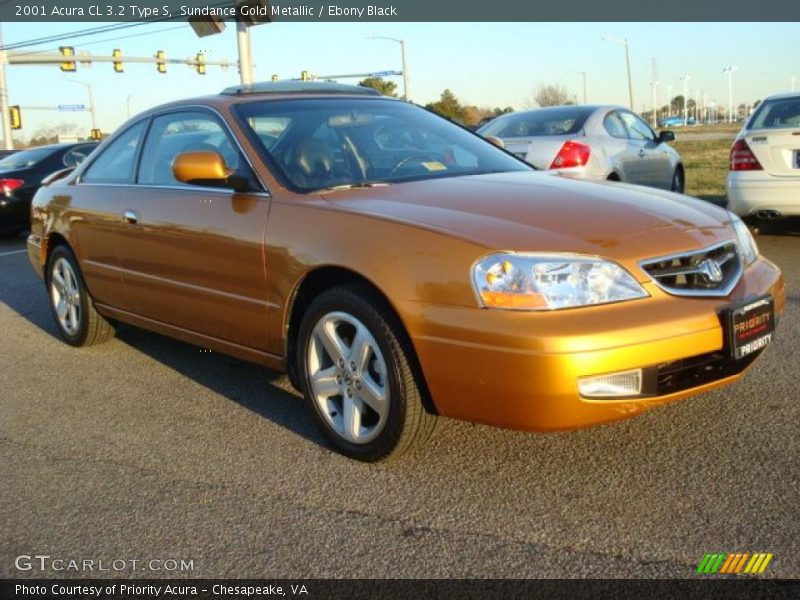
(354, 186)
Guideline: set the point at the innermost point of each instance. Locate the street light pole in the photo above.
(405, 64)
(583, 75)
(729, 70)
(624, 42)
(88, 86)
(8, 143)
(685, 80)
(128, 103)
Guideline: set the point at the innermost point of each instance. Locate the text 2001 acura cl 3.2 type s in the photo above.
(399, 266)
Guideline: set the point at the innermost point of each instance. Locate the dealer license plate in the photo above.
(751, 326)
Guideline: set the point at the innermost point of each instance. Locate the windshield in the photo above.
(564, 120)
(777, 114)
(26, 158)
(325, 143)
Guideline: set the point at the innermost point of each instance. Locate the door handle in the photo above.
(131, 217)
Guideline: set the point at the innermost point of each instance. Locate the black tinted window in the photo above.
(116, 162)
(563, 120)
(322, 143)
(775, 114)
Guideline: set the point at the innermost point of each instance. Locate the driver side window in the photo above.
(177, 133)
(638, 129)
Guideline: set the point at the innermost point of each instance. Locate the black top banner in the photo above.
(255, 11)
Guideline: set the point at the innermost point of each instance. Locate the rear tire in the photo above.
(358, 375)
(77, 320)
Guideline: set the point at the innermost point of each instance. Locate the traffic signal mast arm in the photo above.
(52, 58)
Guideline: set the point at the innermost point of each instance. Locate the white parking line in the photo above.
(12, 252)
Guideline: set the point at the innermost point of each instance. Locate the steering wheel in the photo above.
(414, 156)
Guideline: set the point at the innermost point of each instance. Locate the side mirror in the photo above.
(666, 136)
(496, 141)
(205, 167)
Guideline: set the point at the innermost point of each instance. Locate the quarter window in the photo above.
(116, 163)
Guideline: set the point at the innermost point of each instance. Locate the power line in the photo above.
(72, 34)
(114, 39)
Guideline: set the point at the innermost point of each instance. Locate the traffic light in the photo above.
(96, 134)
(15, 117)
(201, 63)
(274, 78)
(67, 51)
(304, 76)
(118, 67)
(161, 64)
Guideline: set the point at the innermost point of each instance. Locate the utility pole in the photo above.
(583, 75)
(6, 116)
(128, 104)
(624, 42)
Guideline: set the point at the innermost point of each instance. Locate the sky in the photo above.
(485, 64)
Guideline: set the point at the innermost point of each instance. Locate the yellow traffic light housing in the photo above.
(161, 64)
(15, 117)
(67, 51)
(118, 66)
(304, 76)
(201, 63)
(96, 134)
(274, 78)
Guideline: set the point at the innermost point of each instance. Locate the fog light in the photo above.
(611, 385)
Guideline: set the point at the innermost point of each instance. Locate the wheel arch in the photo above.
(319, 280)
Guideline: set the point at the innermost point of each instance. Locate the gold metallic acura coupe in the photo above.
(398, 266)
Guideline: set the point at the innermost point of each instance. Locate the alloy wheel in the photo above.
(65, 295)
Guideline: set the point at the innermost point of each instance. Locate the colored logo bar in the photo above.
(734, 562)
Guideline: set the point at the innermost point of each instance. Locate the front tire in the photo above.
(678, 181)
(77, 320)
(358, 375)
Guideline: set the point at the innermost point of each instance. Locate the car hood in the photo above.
(541, 212)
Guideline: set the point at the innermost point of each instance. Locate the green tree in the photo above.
(449, 107)
(387, 88)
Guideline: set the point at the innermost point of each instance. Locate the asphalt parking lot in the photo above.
(146, 448)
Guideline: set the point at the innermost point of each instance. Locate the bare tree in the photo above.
(549, 95)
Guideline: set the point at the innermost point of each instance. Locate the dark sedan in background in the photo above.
(21, 174)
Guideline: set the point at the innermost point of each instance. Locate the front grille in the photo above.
(712, 271)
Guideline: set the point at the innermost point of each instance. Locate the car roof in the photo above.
(298, 88)
(782, 96)
(587, 107)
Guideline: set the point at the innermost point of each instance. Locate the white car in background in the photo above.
(591, 142)
(764, 177)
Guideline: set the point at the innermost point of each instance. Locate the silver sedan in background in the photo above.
(591, 142)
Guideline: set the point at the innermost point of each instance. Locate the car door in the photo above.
(654, 167)
(96, 198)
(617, 148)
(192, 256)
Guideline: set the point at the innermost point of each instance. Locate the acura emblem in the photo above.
(710, 269)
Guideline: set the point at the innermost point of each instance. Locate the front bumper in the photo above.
(752, 191)
(520, 369)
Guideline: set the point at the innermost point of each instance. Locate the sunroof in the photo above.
(291, 87)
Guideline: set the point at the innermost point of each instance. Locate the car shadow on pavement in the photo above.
(260, 390)
(263, 391)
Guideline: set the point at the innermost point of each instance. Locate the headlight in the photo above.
(744, 240)
(547, 282)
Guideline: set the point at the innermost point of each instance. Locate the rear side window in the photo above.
(776, 114)
(116, 163)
